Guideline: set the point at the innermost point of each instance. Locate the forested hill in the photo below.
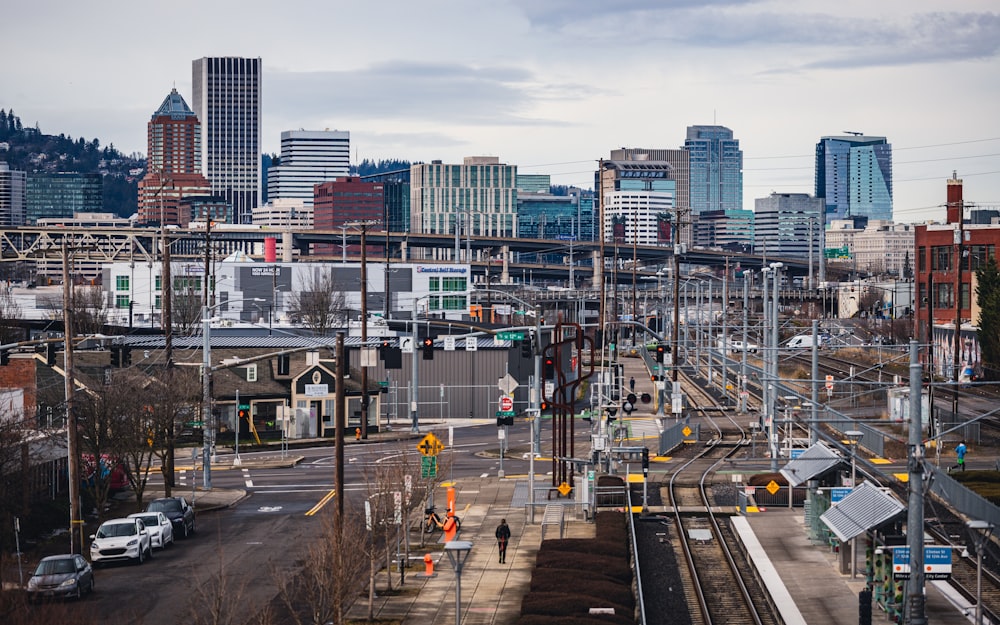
(29, 149)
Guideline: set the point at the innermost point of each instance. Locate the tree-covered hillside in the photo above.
(29, 149)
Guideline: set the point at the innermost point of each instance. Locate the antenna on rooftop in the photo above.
(853, 132)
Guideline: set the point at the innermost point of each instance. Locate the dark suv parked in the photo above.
(177, 509)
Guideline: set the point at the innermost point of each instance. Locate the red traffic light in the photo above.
(386, 344)
(243, 414)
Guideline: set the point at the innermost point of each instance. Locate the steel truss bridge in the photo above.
(107, 245)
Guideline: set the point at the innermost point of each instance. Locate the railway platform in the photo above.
(804, 581)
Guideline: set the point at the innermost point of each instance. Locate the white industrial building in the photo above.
(263, 294)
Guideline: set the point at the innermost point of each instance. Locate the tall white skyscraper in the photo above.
(226, 98)
(308, 158)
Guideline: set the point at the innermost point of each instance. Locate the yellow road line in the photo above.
(634, 478)
(880, 461)
(322, 502)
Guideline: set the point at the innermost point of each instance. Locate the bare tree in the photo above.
(10, 313)
(186, 309)
(331, 575)
(174, 396)
(220, 601)
(321, 304)
(90, 310)
(106, 418)
(394, 491)
(89, 305)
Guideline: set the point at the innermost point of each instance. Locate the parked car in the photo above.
(177, 509)
(65, 575)
(161, 530)
(120, 539)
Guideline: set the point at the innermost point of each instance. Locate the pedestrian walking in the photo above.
(503, 535)
(960, 450)
(631, 384)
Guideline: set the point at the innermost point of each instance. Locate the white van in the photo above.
(802, 341)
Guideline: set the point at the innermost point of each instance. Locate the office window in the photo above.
(121, 283)
(434, 284)
(121, 301)
(921, 259)
(941, 258)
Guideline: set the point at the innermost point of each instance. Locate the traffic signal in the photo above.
(645, 458)
(549, 368)
(392, 357)
(545, 406)
(116, 357)
(243, 413)
(661, 356)
(526, 351)
(428, 348)
(126, 357)
(50, 354)
(612, 412)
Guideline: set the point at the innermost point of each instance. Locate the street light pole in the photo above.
(980, 531)
(458, 552)
(854, 436)
(208, 427)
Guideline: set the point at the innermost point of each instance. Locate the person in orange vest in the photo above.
(503, 535)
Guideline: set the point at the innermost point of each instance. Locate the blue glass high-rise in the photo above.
(854, 178)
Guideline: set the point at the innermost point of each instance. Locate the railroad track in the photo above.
(716, 590)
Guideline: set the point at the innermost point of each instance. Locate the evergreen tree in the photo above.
(988, 299)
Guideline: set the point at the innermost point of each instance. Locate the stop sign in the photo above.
(506, 403)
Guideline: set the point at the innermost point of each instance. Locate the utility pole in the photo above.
(915, 510)
(75, 518)
(340, 421)
(956, 207)
(364, 318)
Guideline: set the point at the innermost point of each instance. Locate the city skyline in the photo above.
(553, 87)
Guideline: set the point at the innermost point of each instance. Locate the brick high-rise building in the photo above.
(344, 200)
(173, 171)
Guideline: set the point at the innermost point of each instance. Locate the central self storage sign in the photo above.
(937, 563)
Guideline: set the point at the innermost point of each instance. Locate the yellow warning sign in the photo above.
(430, 445)
(564, 489)
(686, 431)
(772, 487)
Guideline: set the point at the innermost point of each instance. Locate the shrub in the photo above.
(615, 568)
(559, 604)
(607, 589)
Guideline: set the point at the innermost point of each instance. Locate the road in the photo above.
(261, 539)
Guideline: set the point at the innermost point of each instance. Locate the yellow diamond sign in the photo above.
(564, 489)
(686, 431)
(772, 487)
(430, 445)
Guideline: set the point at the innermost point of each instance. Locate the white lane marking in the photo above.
(484, 475)
(246, 478)
(269, 509)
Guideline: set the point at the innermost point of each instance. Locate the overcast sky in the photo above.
(548, 85)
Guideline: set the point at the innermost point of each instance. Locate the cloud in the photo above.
(439, 93)
(839, 39)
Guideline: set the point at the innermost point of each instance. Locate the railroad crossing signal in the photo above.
(829, 382)
(430, 445)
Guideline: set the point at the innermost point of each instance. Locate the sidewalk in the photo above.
(491, 592)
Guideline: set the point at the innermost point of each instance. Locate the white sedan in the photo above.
(120, 539)
(161, 530)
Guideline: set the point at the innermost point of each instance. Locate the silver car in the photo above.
(66, 575)
(161, 530)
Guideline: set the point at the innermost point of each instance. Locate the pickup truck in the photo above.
(736, 346)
